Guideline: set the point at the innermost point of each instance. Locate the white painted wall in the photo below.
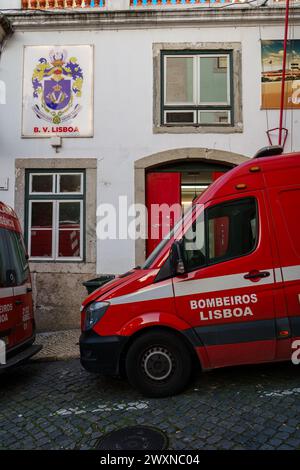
(123, 111)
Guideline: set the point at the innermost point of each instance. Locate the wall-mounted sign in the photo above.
(58, 91)
(272, 54)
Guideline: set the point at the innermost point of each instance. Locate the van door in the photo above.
(227, 293)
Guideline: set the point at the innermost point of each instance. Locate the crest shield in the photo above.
(57, 95)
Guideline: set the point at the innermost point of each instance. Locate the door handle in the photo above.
(29, 289)
(19, 302)
(253, 275)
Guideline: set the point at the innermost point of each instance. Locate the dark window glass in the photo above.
(42, 183)
(231, 230)
(184, 117)
(70, 184)
(223, 232)
(41, 229)
(69, 214)
(13, 263)
(69, 243)
(41, 215)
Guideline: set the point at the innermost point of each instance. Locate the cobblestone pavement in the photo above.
(58, 345)
(58, 405)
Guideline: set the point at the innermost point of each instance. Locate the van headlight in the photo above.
(93, 313)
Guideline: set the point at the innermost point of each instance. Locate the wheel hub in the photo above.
(157, 363)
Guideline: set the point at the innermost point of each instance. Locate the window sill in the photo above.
(238, 128)
(61, 267)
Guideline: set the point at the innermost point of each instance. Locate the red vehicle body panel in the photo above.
(212, 304)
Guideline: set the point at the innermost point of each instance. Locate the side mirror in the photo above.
(177, 258)
(11, 277)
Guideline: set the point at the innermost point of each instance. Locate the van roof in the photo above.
(248, 174)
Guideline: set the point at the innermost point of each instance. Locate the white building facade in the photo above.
(146, 114)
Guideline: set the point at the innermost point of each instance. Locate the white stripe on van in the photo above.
(20, 290)
(218, 283)
(278, 275)
(207, 285)
(6, 292)
(184, 287)
(291, 273)
(151, 293)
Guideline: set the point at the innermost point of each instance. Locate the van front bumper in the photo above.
(101, 354)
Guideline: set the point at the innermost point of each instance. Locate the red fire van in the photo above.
(17, 328)
(225, 290)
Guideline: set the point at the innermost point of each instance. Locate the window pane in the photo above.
(184, 117)
(194, 244)
(213, 79)
(41, 243)
(70, 184)
(42, 183)
(41, 214)
(179, 79)
(69, 215)
(69, 243)
(232, 229)
(214, 117)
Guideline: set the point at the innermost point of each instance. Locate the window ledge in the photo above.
(238, 128)
(61, 267)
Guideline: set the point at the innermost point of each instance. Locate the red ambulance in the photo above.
(17, 328)
(223, 290)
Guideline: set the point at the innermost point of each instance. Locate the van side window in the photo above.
(14, 269)
(231, 230)
(221, 232)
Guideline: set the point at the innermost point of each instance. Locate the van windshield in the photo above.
(14, 270)
(163, 243)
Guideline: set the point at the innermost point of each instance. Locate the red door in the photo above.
(164, 190)
(217, 174)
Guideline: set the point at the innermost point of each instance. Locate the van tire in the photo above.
(158, 364)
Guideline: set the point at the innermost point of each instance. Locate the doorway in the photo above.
(175, 185)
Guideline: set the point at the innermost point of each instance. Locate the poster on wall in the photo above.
(58, 91)
(272, 55)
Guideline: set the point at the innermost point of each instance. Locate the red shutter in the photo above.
(161, 188)
(217, 174)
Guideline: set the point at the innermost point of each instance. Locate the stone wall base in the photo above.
(57, 299)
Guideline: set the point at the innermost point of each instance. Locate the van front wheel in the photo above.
(158, 364)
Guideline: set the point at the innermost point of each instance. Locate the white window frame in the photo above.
(34, 193)
(214, 111)
(196, 80)
(214, 103)
(55, 198)
(55, 230)
(196, 90)
(55, 183)
(59, 175)
(195, 93)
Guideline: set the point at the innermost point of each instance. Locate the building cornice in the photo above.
(140, 19)
(5, 27)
